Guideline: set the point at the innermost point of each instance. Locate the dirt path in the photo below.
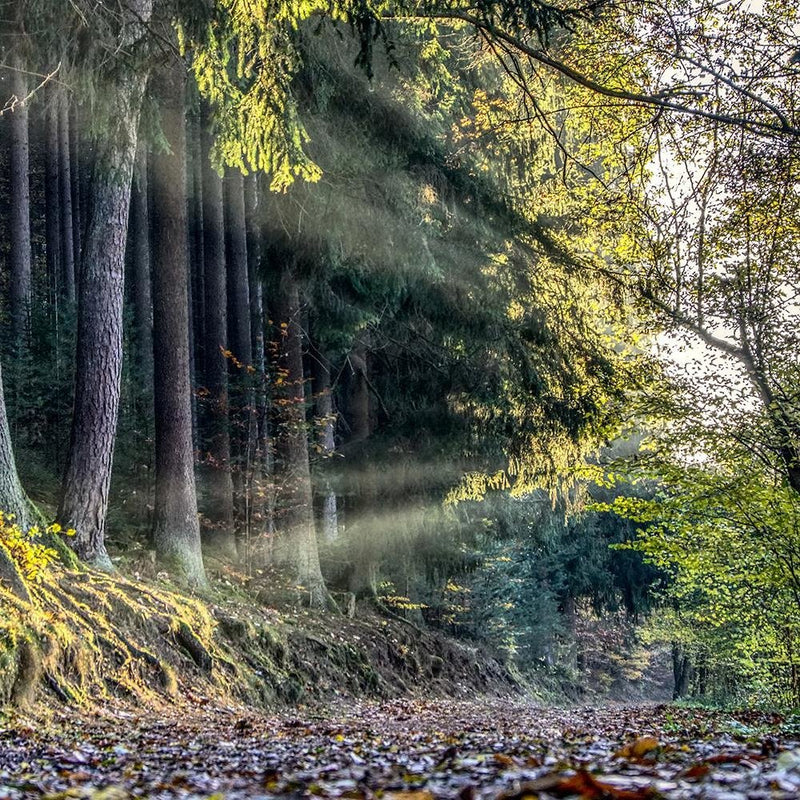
(405, 751)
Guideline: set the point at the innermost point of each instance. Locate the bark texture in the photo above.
(260, 522)
(52, 196)
(12, 497)
(77, 178)
(241, 386)
(100, 304)
(238, 283)
(67, 249)
(176, 526)
(218, 532)
(20, 223)
(325, 444)
(296, 545)
(139, 241)
(195, 164)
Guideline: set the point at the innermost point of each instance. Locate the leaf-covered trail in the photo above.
(433, 749)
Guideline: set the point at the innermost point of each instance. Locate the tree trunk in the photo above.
(66, 250)
(195, 163)
(75, 174)
(176, 527)
(13, 499)
(240, 343)
(20, 225)
(139, 241)
(358, 405)
(52, 198)
(325, 444)
(218, 531)
(238, 283)
(262, 499)
(296, 545)
(100, 304)
(681, 670)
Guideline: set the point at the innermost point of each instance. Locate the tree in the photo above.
(139, 243)
(85, 488)
(219, 533)
(296, 545)
(239, 342)
(52, 192)
(20, 207)
(13, 499)
(67, 248)
(176, 527)
(259, 520)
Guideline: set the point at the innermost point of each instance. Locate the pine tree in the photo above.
(20, 283)
(176, 527)
(84, 500)
(219, 533)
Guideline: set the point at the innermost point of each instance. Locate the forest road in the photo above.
(404, 750)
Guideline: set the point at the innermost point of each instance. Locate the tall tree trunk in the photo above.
(100, 304)
(218, 532)
(13, 499)
(20, 211)
(681, 671)
(358, 405)
(65, 205)
(260, 491)
(76, 176)
(139, 241)
(325, 443)
(238, 282)
(195, 164)
(240, 343)
(363, 496)
(296, 545)
(176, 528)
(52, 198)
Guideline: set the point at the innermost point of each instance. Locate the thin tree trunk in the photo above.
(238, 283)
(218, 532)
(100, 305)
(240, 343)
(357, 405)
(75, 186)
(195, 162)
(67, 249)
(52, 198)
(20, 212)
(260, 490)
(139, 240)
(681, 670)
(176, 528)
(325, 443)
(13, 501)
(296, 544)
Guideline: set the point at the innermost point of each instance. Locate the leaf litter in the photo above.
(403, 750)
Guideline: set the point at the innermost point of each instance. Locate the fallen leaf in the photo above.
(640, 748)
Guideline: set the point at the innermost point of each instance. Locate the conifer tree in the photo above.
(20, 283)
(218, 533)
(296, 545)
(67, 246)
(176, 527)
(85, 488)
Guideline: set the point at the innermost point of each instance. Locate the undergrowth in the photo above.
(76, 636)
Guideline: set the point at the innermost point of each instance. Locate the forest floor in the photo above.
(402, 750)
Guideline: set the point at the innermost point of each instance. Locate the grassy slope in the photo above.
(87, 637)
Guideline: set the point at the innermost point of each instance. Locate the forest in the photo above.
(361, 358)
